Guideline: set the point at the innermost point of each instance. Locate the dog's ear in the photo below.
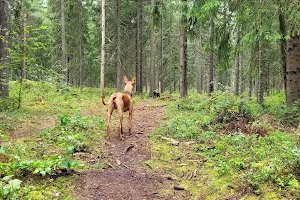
(133, 80)
(125, 79)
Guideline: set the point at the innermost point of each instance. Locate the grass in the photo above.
(216, 158)
(39, 141)
(232, 165)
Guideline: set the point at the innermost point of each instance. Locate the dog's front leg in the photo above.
(130, 120)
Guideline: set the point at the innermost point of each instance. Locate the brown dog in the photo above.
(122, 102)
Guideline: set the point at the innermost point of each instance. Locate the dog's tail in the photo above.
(103, 101)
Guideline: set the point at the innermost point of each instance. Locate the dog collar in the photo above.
(127, 92)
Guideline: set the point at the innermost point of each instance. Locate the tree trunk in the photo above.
(210, 88)
(137, 51)
(261, 76)
(161, 75)
(199, 67)
(250, 83)
(102, 49)
(183, 54)
(282, 27)
(142, 52)
(3, 49)
(138, 48)
(236, 74)
(63, 41)
(80, 35)
(25, 70)
(118, 56)
(293, 70)
(152, 57)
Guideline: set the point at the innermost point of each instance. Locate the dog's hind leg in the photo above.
(130, 120)
(109, 113)
(120, 126)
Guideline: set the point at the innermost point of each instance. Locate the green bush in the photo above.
(184, 128)
(8, 103)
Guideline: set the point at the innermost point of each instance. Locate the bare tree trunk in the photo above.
(283, 44)
(80, 35)
(210, 80)
(261, 80)
(236, 73)
(152, 57)
(25, 70)
(118, 58)
(102, 49)
(142, 54)
(138, 48)
(183, 55)
(242, 77)
(250, 83)
(199, 67)
(63, 40)
(4, 77)
(161, 75)
(293, 70)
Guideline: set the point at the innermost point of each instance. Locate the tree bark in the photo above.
(261, 76)
(118, 56)
(102, 49)
(183, 55)
(63, 41)
(25, 70)
(138, 49)
(161, 76)
(152, 56)
(293, 70)
(80, 35)
(250, 83)
(210, 88)
(236, 66)
(142, 52)
(282, 28)
(4, 16)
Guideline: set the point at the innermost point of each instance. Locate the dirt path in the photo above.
(127, 177)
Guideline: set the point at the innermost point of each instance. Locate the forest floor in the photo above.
(124, 172)
(127, 176)
(195, 148)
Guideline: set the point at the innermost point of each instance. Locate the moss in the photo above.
(45, 189)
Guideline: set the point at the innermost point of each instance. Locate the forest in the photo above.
(214, 99)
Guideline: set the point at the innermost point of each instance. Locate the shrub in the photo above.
(8, 103)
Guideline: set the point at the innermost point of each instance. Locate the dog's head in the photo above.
(129, 84)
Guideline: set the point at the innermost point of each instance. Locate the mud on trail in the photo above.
(127, 176)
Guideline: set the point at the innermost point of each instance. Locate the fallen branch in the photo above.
(194, 174)
(177, 187)
(111, 165)
(128, 148)
(171, 140)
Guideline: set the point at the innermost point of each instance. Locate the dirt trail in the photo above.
(127, 177)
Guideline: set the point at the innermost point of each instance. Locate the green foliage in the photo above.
(8, 103)
(182, 127)
(9, 188)
(64, 119)
(261, 165)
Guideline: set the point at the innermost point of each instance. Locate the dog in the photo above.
(122, 102)
(41, 99)
(156, 94)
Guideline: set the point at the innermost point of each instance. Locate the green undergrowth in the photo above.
(49, 154)
(44, 162)
(218, 158)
